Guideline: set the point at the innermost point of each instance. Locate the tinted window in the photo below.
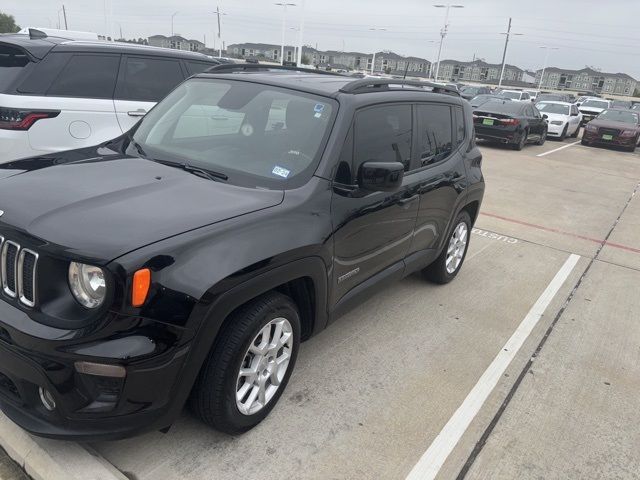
(525, 96)
(148, 79)
(434, 133)
(553, 108)
(12, 61)
(87, 76)
(199, 67)
(459, 126)
(383, 134)
(511, 95)
(500, 106)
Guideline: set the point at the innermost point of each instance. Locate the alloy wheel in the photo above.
(457, 247)
(264, 366)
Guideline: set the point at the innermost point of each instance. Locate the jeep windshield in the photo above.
(256, 135)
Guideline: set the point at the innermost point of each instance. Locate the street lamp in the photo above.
(373, 60)
(218, 13)
(284, 26)
(434, 43)
(300, 35)
(443, 32)
(172, 17)
(546, 62)
(504, 53)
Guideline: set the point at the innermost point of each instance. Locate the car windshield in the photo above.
(502, 106)
(511, 95)
(595, 104)
(257, 135)
(623, 116)
(553, 108)
(620, 104)
(470, 90)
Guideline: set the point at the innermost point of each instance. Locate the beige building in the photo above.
(176, 42)
(587, 79)
(477, 71)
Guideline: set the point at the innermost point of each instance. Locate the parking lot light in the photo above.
(443, 32)
(284, 26)
(546, 62)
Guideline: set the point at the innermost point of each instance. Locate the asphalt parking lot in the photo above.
(544, 310)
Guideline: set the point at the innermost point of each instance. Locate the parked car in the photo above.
(515, 95)
(188, 258)
(514, 123)
(564, 118)
(533, 94)
(469, 92)
(621, 104)
(636, 106)
(614, 127)
(592, 107)
(59, 94)
(481, 99)
(553, 97)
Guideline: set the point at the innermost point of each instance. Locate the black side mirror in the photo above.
(545, 116)
(380, 176)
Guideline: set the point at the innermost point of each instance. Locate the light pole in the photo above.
(430, 75)
(295, 49)
(218, 14)
(546, 62)
(504, 53)
(284, 26)
(443, 32)
(373, 60)
(172, 17)
(300, 35)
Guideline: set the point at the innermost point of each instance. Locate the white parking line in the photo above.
(432, 460)
(558, 149)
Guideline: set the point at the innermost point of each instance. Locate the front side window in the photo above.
(222, 125)
(87, 76)
(435, 134)
(148, 79)
(383, 134)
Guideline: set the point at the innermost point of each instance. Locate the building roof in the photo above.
(589, 71)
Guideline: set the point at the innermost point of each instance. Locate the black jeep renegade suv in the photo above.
(187, 259)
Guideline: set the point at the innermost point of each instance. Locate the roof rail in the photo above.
(366, 85)
(245, 67)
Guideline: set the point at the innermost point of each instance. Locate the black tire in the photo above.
(563, 135)
(213, 397)
(523, 141)
(584, 142)
(631, 149)
(543, 138)
(437, 271)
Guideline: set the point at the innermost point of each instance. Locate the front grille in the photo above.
(18, 272)
(609, 131)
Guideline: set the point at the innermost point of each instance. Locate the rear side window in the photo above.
(87, 76)
(460, 129)
(383, 134)
(148, 79)
(435, 133)
(12, 62)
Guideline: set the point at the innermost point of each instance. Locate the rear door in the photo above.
(81, 88)
(536, 122)
(142, 82)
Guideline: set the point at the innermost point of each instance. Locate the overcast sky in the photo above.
(601, 34)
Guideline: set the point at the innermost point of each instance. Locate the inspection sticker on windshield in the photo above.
(319, 108)
(281, 172)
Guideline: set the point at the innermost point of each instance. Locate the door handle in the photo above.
(137, 113)
(404, 202)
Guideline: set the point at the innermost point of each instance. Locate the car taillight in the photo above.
(17, 119)
(510, 121)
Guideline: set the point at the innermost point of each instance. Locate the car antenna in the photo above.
(406, 70)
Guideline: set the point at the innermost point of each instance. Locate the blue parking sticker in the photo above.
(280, 171)
(319, 108)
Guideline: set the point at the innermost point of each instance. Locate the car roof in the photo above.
(39, 47)
(325, 85)
(557, 102)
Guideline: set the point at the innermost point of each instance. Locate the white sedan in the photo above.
(564, 118)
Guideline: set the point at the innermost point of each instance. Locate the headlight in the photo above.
(628, 133)
(591, 128)
(87, 284)
(556, 122)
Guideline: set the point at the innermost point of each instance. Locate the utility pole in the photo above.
(504, 53)
(301, 36)
(64, 14)
(284, 26)
(373, 60)
(443, 32)
(546, 62)
(219, 31)
(120, 31)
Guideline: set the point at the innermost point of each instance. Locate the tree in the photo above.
(306, 60)
(8, 23)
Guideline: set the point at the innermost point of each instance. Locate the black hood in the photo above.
(102, 208)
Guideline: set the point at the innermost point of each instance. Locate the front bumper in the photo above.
(555, 130)
(595, 138)
(87, 407)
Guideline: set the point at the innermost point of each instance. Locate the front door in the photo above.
(373, 230)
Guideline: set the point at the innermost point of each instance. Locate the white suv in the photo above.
(516, 95)
(59, 94)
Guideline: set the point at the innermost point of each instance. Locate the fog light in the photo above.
(47, 399)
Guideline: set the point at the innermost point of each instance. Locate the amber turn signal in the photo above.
(140, 287)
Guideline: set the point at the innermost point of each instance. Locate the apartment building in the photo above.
(477, 71)
(176, 42)
(587, 79)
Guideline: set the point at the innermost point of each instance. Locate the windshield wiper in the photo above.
(139, 148)
(204, 173)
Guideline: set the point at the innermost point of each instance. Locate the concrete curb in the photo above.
(45, 459)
